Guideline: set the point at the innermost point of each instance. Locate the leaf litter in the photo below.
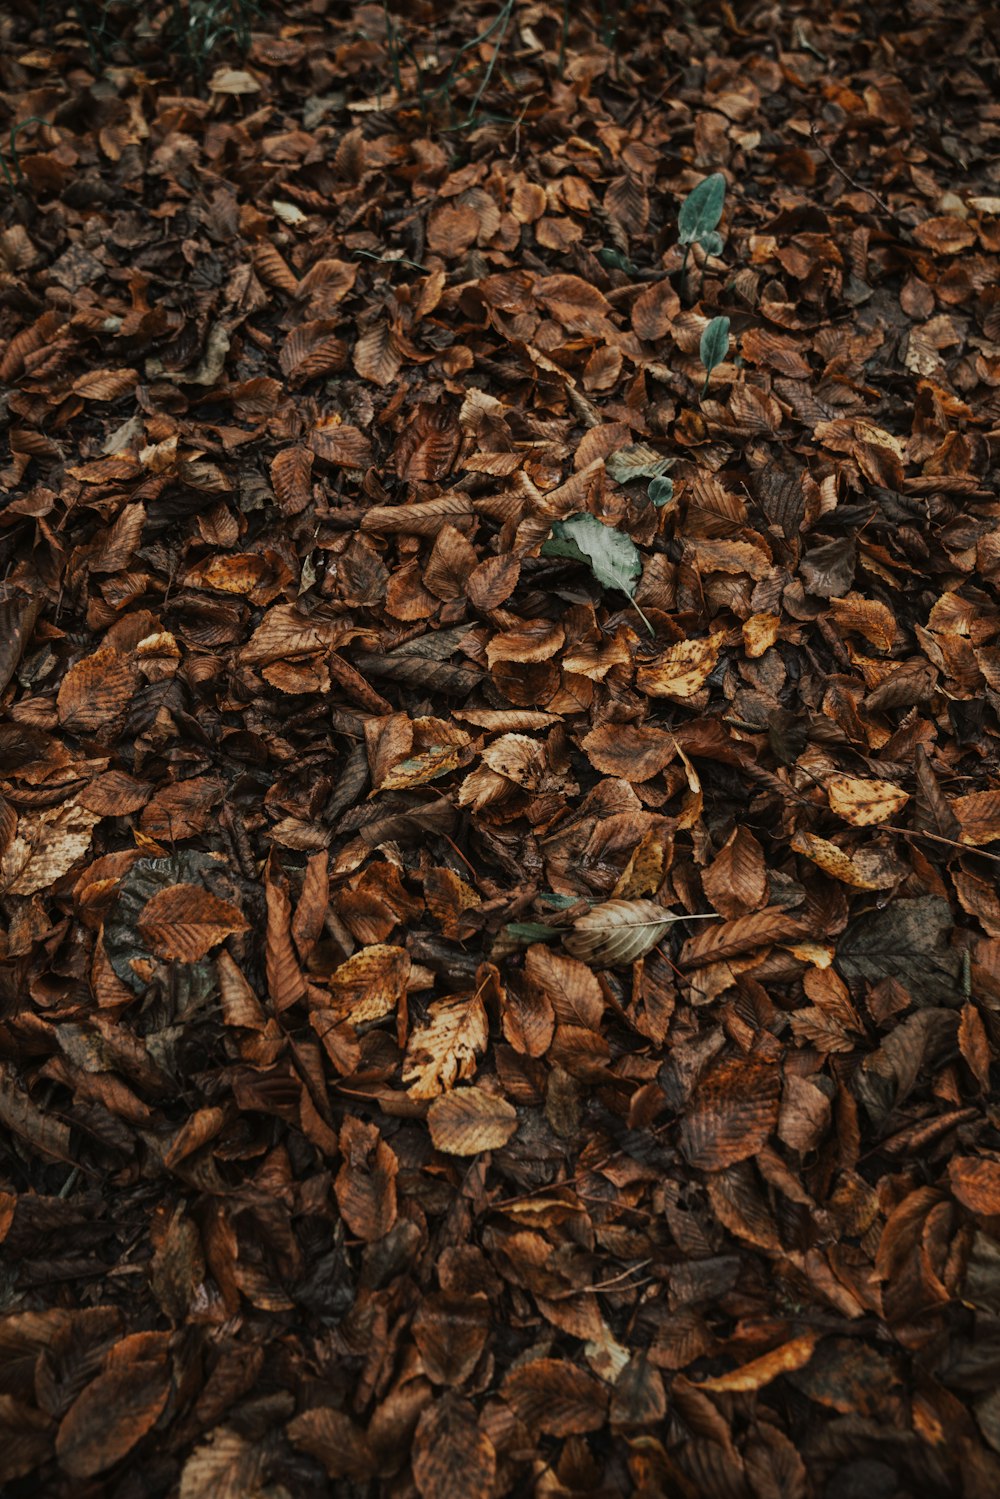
(458, 1035)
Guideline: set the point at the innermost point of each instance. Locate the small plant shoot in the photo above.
(612, 557)
(660, 492)
(701, 212)
(714, 348)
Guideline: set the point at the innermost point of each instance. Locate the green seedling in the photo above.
(698, 220)
(714, 348)
(612, 557)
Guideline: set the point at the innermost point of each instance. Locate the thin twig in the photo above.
(858, 186)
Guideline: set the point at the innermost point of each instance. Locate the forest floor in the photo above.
(427, 586)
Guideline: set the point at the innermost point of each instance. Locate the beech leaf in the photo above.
(620, 931)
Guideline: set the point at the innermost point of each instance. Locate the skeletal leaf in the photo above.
(619, 931)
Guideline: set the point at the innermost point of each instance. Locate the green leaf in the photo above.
(531, 931)
(612, 557)
(702, 209)
(661, 492)
(614, 260)
(714, 346)
(711, 243)
(638, 461)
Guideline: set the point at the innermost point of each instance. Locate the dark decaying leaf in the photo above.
(732, 1114)
(556, 1397)
(450, 1452)
(908, 942)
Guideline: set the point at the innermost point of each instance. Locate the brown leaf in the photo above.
(451, 563)
(451, 1455)
(376, 356)
(580, 307)
(762, 1371)
(975, 1183)
(736, 880)
(181, 810)
(978, 816)
(311, 350)
(371, 983)
(569, 986)
(556, 1397)
(112, 1414)
(96, 691)
(187, 921)
(636, 752)
(854, 613)
(336, 1441)
(339, 443)
(365, 1187)
(285, 982)
(654, 310)
(715, 941)
(469, 1120)
(732, 1114)
(291, 475)
(41, 1130)
(450, 1331)
(492, 581)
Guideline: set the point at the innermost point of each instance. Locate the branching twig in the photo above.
(858, 186)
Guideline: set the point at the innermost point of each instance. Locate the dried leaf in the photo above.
(469, 1120)
(618, 931)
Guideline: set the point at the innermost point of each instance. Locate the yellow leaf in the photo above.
(862, 802)
(683, 668)
(444, 1051)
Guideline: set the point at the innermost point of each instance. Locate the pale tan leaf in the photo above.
(761, 1371)
(47, 844)
(371, 983)
(682, 669)
(469, 1120)
(444, 1051)
(864, 802)
(618, 931)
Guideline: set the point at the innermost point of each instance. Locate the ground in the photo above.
(500, 818)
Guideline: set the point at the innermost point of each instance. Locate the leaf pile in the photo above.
(460, 1034)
